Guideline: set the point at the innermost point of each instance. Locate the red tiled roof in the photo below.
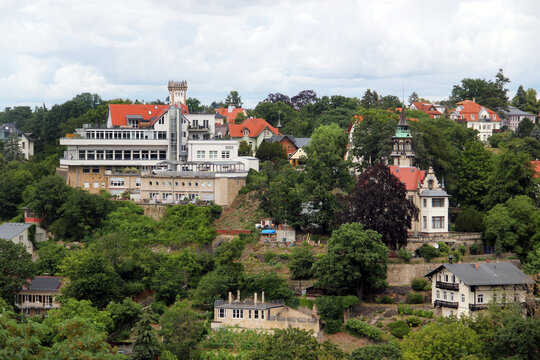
(410, 176)
(536, 167)
(426, 108)
(230, 116)
(254, 125)
(356, 120)
(149, 113)
(472, 108)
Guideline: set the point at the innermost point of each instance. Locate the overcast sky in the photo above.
(52, 50)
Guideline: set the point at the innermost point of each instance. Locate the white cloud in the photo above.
(53, 50)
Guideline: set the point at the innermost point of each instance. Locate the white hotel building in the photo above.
(141, 142)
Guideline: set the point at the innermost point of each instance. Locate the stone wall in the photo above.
(453, 239)
(155, 211)
(402, 274)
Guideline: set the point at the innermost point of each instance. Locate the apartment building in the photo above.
(477, 117)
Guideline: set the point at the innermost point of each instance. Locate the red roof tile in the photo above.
(426, 108)
(472, 108)
(356, 120)
(230, 115)
(410, 176)
(536, 167)
(254, 125)
(149, 113)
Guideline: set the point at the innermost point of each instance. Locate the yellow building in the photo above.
(258, 314)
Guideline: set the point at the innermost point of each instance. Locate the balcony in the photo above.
(35, 305)
(198, 128)
(477, 307)
(447, 286)
(448, 304)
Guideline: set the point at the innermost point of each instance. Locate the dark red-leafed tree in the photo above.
(379, 202)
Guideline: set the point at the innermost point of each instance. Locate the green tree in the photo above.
(92, 277)
(130, 221)
(413, 97)
(439, 341)
(294, 344)
(325, 172)
(124, 315)
(379, 202)
(16, 269)
(212, 286)
(20, 340)
(491, 94)
(356, 260)
(244, 149)
(470, 220)
(182, 329)
(520, 100)
(275, 112)
(270, 151)
(513, 176)
(301, 262)
(475, 166)
(47, 197)
(194, 105)
(372, 137)
(51, 256)
(146, 346)
(178, 273)
(274, 286)
(525, 128)
(189, 224)
(233, 99)
(14, 178)
(370, 100)
(12, 150)
(532, 105)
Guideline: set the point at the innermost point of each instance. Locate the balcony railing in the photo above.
(477, 306)
(198, 127)
(449, 304)
(447, 286)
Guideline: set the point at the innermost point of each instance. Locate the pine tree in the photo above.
(146, 345)
(12, 151)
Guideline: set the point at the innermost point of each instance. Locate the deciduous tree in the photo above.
(16, 268)
(379, 202)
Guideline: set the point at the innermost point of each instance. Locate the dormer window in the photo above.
(430, 184)
(246, 132)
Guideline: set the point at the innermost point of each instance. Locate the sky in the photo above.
(54, 50)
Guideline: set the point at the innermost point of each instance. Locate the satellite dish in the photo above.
(436, 246)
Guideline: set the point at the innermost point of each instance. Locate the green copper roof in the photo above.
(403, 132)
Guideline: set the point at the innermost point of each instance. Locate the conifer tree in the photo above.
(146, 345)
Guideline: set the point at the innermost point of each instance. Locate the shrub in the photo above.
(385, 300)
(284, 256)
(414, 298)
(404, 255)
(379, 324)
(361, 329)
(413, 321)
(399, 329)
(308, 303)
(332, 326)
(462, 249)
(419, 284)
(428, 252)
(378, 351)
(405, 310)
(444, 249)
(423, 313)
(470, 220)
(269, 257)
(349, 300)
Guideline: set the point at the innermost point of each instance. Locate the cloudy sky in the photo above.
(52, 50)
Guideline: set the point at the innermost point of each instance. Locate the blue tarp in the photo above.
(268, 231)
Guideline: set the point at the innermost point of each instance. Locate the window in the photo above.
(212, 154)
(209, 184)
(95, 170)
(201, 154)
(437, 202)
(82, 154)
(424, 219)
(451, 296)
(118, 182)
(438, 222)
(162, 154)
(37, 311)
(96, 185)
(86, 185)
(256, 314)
(439, 277)
(238, 314)
(225, 154)
(444, 295)
(86, 169)
(438, 294)
(480, 298)
(425, 202)
(462, 297)
(245, 132)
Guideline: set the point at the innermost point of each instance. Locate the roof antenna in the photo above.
(403, 94)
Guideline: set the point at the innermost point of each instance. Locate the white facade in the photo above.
(455, 296)
(485, 128)
(212, 150)
(433, 205)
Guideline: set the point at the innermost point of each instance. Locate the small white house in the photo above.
(19, 233)
(462, 289)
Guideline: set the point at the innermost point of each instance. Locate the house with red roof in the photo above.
(423, 187)
(426, 108)
(230, 113)
(253, 131)
(477, 117)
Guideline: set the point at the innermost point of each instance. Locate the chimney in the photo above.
(262, 297)
(238, 294)
(476, 265)
(230, 297)
(255, 298)
(473, 100)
